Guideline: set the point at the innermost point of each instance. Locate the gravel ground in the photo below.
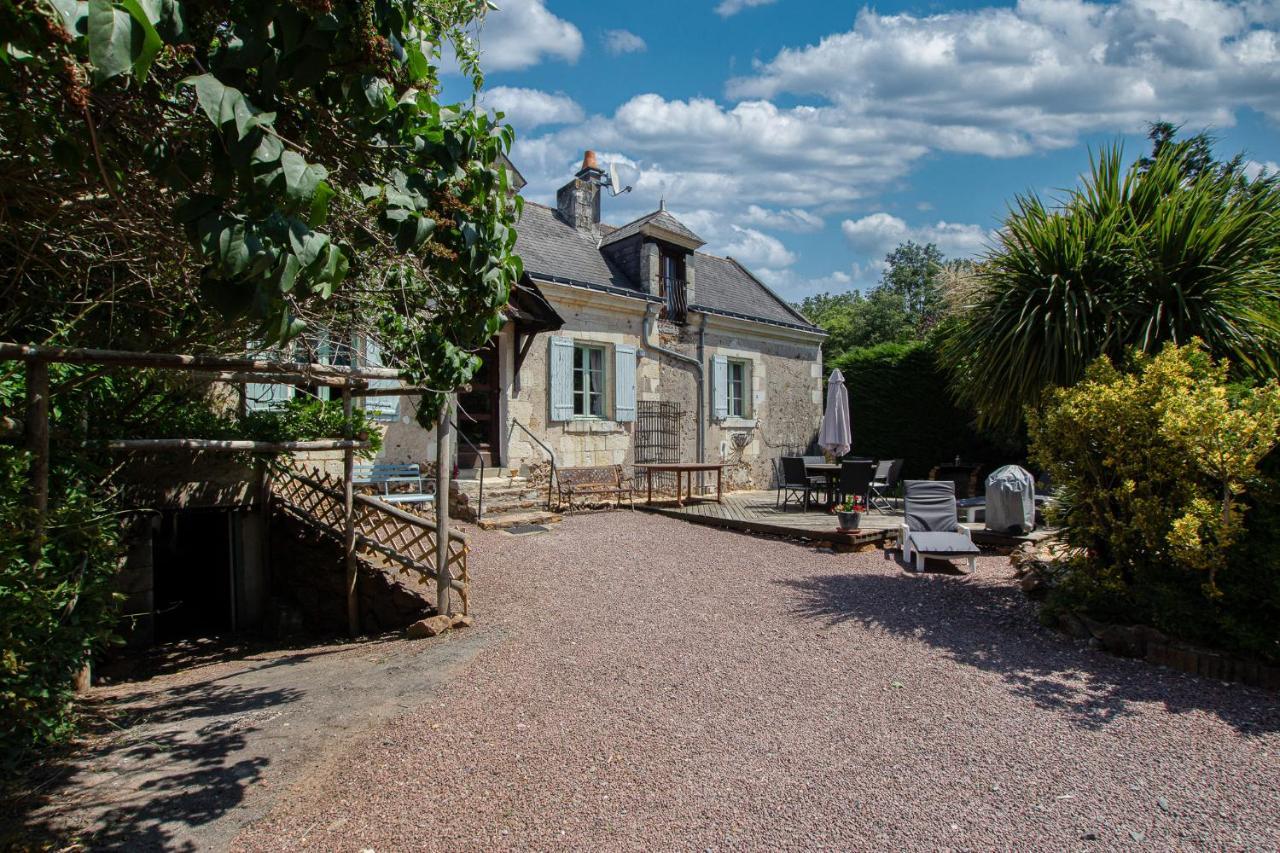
(661, 684)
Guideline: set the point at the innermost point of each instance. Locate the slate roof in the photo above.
(659, 219)
(553, 250)
(725, 286)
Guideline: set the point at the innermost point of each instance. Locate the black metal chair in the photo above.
(884, 483)
(796, 482)
(855, 480)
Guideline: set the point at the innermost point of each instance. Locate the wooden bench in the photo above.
(394, 474)
(593, 481)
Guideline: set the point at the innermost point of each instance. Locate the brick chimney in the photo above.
(579, 200)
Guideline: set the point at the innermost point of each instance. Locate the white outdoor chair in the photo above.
(930, 528)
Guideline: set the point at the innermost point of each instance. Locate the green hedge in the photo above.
(900, 407)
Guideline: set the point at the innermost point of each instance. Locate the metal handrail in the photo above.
(480, 459)
(551, 453)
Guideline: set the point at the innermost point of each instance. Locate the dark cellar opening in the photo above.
(194, 574)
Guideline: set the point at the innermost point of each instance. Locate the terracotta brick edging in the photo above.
(1140, 641)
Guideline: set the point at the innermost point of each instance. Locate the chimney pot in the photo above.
(589, 161)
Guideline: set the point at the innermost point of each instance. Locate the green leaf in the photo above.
(151, 42)
(320, 205)
(224, 104)
(301, 178)
(110, 40)
(289, 274)
(73, 14)
(308, 245)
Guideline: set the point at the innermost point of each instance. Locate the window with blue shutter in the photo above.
(624, 383)
(261, 396)
(560, 367)
(381, 408)
(719, 387)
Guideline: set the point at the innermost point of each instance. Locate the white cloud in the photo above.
(1254, 170)
(526, 109)
(522, 33)
(757, 249)
(793, 219)
(1008, 81)
(728, 8)
(876, 235)
(618, 42)
(793, 286)
(818, 132)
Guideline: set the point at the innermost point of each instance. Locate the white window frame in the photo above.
(588, 394)
(739, 406)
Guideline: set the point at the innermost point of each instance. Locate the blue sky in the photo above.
(807, 139)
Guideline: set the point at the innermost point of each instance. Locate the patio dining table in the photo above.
(830, 470)
(681, 469)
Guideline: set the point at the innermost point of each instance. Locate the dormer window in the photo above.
(671, 285)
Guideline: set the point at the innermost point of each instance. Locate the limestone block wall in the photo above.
(589, 317)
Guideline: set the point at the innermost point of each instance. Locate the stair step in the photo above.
(472, 475)
(511, 519)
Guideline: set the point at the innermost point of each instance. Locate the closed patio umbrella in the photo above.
(835, 437)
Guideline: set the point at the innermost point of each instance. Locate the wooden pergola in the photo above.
(352, 382)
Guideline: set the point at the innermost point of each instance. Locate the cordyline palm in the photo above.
(1134, 258)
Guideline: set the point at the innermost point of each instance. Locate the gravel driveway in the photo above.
(659, 684)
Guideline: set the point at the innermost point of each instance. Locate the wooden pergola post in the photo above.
(444, 472)
(37, 442)
(348, 517)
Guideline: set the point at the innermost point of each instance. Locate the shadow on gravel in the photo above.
(172, 768)
(992, 627)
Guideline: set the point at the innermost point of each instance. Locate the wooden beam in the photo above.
(37, 443)
(444, 466)
(193, 363)
(234, 446)
(348, 518)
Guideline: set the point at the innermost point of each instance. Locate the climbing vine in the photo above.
(297, 150)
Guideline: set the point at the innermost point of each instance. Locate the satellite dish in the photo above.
(614, 182)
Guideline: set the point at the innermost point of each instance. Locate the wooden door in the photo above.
(478, 414)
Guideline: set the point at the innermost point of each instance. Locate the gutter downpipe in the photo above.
(696, 363)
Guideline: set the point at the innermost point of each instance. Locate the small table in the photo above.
(680, 469)
(830, 470)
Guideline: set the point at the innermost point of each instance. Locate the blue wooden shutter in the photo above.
(561, 369)
(624, 382)
(261, 396)
(719, 387)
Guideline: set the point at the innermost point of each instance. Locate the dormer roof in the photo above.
(659, 225)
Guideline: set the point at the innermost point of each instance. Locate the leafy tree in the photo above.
(1197, 151)
(903, 307)
(912, 275)
(193, 176)
(1135, 257)
(274, 163)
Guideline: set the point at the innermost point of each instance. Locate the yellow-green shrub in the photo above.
(1155, 464)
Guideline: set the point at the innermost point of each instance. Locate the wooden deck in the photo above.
(756, 512)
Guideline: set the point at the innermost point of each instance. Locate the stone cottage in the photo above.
(617, 334)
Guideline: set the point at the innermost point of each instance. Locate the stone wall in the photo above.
(786, 393)
(785, 405)
(598, 319)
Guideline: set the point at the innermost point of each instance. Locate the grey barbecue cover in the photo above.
(1011, 500)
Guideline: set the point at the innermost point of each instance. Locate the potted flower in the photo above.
(850, 513)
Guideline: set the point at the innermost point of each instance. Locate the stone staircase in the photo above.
(508, 501)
